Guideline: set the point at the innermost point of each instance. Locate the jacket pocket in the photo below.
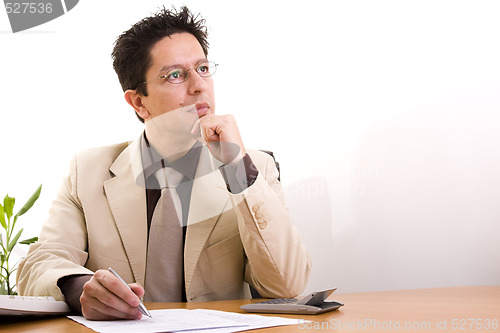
(223, 269)
(228, 246)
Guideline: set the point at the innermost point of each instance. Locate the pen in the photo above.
(141, 306)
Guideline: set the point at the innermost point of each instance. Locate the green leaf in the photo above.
(13, 224)
(29, 241)
(2, 218)
(8, 205)
(30, 201)
(14, 240)
(3, 288)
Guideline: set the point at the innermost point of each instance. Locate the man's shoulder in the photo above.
(100, 156)
(113, 150)
(260, 155)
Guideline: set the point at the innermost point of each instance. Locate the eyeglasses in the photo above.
(180, 75)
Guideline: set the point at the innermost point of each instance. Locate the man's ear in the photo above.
(134, 99)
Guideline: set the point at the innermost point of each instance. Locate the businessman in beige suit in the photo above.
(234, 228)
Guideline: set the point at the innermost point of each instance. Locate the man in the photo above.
(221, 227)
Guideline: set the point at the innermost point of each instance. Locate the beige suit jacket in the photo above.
(98, 220)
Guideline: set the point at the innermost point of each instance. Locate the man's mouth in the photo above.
(202, 109)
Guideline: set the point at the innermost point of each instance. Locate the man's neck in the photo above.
(169, 147)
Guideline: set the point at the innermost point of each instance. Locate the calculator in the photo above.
(313, 303)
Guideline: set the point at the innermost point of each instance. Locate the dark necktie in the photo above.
(164, 267)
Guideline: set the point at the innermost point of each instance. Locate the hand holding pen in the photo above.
(107, 297)
(141, 306)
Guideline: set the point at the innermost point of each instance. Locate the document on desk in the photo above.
(183, 320)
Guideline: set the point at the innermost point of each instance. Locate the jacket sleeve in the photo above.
(61, 249)
(278, 264)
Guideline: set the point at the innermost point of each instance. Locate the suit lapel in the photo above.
(127, 200)
(209, 199)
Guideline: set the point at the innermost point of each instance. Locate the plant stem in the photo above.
(7, 256)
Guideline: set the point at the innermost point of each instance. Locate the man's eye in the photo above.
(174, 75)
(203, 69)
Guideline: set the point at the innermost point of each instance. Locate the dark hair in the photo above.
(131, 53)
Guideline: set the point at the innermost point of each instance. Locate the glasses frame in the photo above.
(211, 65)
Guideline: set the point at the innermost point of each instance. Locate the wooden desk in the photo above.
(456, 309)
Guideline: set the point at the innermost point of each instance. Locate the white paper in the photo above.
(161, 321)
(250, 321)
(183, 320)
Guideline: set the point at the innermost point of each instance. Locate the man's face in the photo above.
(178, 50)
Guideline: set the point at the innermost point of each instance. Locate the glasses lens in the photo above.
(176, 75)
(206, 69)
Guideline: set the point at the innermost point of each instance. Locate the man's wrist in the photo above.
(239, 175)
(237, 159)
(72, 287)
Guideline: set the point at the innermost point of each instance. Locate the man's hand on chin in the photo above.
(222, 136)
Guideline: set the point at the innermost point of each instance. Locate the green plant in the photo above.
(10, 240)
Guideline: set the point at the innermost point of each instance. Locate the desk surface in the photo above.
(455, 309)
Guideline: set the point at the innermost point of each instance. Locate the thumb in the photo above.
(196, 132)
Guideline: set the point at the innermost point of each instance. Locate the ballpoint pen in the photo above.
(141, 306)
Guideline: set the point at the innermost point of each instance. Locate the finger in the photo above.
(95, 310)
(98, 298)
(115, 286)
(208, 126)
(111, 292)
(137, 289)
(103, 314)
(100, 303)
(211, 134)
(196, 132)
(211, 127)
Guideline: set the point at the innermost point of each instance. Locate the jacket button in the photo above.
(261, 215)
(256, 207)
(262, 224)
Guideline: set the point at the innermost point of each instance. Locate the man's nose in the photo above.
(196, 83)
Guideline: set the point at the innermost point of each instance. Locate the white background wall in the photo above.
(383, 114)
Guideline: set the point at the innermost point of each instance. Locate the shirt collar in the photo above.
(153, 161)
